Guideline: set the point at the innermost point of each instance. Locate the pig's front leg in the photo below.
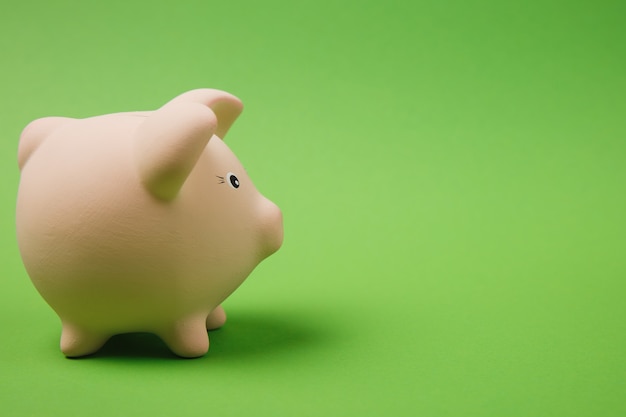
(187, 337)
(216, 318)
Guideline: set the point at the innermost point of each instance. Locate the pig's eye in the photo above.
(232, 180)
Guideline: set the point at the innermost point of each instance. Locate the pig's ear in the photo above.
(34, 134)
(170, 141)
(225, 106)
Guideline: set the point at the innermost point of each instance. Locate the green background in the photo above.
(452, 176)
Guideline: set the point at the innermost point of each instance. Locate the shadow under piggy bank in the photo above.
(244, 334)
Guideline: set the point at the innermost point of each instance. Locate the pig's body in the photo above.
(116, 244)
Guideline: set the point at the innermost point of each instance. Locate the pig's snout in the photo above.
(271, 219)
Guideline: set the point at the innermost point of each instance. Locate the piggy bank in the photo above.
(141, 221)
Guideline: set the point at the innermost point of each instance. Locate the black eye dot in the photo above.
(233, 180)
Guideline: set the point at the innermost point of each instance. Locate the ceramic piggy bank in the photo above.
(141, 221)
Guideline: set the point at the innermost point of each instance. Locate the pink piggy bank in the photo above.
(141, 221)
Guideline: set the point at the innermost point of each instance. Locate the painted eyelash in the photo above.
(221, 179)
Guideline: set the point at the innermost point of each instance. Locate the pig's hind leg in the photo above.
(77, 341)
